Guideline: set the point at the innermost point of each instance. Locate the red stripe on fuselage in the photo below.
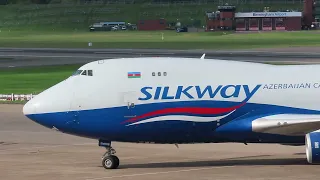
(189, 110)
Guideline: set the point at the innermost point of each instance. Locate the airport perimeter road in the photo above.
(29, 151)
(15, 57)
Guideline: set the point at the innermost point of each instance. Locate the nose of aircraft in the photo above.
(45, 107)
(30, 107)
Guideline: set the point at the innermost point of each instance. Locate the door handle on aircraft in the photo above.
(130, 116)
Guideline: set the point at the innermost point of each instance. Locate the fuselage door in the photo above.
(75, 104)
(130, 100)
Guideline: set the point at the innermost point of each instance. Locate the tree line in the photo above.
(4, 2)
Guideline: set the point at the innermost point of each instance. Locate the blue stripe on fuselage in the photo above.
(107, 124)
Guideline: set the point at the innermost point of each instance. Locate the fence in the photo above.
(16, 97)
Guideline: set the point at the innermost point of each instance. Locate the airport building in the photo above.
(226, 18)
(267, 21)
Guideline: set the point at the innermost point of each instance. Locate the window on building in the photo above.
(267, 23)
(254, 24)
(226, 19)
(279, 23)
(240, 24)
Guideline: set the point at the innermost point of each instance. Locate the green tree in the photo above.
(3, 2)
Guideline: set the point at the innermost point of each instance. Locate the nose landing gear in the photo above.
(109, 160)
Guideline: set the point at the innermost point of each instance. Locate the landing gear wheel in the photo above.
(110, 162)
(117, 161)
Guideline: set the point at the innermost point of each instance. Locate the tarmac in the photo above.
(29, 151)
(19, 57)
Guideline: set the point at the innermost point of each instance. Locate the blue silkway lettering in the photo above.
(192, 92)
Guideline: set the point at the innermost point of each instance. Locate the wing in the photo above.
(287, 124)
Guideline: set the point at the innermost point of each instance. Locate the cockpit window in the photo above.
(77, 72)
(83, 73)
(90, 73)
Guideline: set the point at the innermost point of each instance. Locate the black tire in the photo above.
(110, 162)
(117, 162)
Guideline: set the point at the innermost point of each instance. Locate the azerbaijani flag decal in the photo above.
(134, 75)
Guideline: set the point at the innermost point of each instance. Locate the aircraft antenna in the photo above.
(202, 57)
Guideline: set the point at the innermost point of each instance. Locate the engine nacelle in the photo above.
(313, 147)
